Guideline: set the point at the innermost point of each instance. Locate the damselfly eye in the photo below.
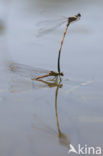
(79, 15)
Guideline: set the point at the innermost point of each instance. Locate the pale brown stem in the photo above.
(61, 44)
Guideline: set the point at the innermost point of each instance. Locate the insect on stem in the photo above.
(51, 73)
(70, 20)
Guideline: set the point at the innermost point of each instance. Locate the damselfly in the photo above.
(48, 26)
(24, 74)
(69, 20)
(32, 72)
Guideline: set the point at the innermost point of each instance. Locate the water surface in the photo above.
(34, 120)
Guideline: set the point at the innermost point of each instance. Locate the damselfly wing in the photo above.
(23, 78)
(26, 70)
(48, 26)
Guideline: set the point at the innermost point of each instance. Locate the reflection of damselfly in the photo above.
(69, 20)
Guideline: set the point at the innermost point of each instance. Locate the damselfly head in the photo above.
(78, 16)
(62, 74)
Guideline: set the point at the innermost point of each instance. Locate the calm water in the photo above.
(34, 121)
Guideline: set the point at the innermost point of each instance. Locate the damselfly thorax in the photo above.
(74, 18)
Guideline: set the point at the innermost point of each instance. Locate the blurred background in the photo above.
(80, 102)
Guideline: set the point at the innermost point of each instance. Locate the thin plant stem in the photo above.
(61, 44)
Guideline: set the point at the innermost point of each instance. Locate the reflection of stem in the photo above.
(62, 137)
(56, 95)
(63, 140)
